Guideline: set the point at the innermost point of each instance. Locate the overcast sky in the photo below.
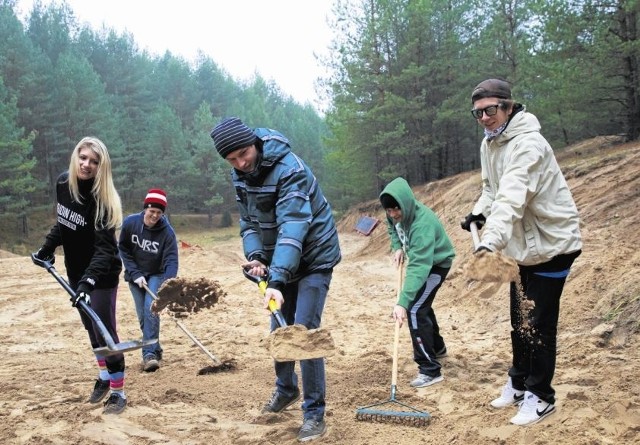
(275, 38)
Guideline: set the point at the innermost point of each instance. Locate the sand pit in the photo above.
(296, 342)
(491, 267)
(182, 297)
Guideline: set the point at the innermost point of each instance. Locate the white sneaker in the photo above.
(509, 397)
(425, 380)
(532, 410)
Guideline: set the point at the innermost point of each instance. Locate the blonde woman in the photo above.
(89, 211)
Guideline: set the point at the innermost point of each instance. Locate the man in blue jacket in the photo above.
(288, 232)
(149, 251)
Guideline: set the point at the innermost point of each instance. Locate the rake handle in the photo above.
(396, 336)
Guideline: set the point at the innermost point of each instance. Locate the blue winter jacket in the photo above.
(147, 251)
(285, 220)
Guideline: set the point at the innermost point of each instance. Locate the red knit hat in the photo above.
(156, 198)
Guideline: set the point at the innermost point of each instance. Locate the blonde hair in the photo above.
(108, 205)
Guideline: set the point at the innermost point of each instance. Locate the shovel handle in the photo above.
(83, 306)
(273, 308)
(474, 234)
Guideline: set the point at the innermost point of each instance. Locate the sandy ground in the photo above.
(48, 370)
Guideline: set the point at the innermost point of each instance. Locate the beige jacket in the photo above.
(531, 215)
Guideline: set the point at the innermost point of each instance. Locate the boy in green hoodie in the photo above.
(417, 234)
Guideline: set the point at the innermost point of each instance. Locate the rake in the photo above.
(392, 410)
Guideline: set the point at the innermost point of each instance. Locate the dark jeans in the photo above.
(534, 329)
(423, 325)
(303, 304)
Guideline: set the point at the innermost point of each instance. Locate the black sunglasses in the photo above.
(491, 110)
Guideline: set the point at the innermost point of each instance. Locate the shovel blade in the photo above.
(126, 346)
(296, 342)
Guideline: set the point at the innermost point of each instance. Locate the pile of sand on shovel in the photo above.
(296, 342)
(498, 268)
(492, 267)
(182, 297)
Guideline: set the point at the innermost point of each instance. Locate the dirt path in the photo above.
(47, 369)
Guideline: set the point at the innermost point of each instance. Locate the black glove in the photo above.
(83, 293)
(43, 255)
(478, 219)
(481, 248)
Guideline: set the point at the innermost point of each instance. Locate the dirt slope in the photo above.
(47, 369)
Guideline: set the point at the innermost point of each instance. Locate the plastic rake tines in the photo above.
(393, 411)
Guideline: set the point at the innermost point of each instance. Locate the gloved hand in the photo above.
(141, 282)
(482, 248)
(43, 255)
(478, 219)
(82, 293)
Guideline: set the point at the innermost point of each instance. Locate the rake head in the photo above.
(226, 365)
(404, 414)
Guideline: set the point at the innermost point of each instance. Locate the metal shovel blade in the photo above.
(295, 342)
(126, 346)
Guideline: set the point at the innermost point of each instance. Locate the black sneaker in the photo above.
(279, 403)
(115, 404)
(100, 389)
(150, 363)
(311, 429)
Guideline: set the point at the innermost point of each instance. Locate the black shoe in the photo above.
(100, 389)
(279, 403)
(311, 429)
(150, 363)
(115, 404)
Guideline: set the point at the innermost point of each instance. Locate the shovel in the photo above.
(296, 342)
(489, 266)
(218, 364)
(111, 348)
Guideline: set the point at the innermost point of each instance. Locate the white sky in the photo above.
(275, 38)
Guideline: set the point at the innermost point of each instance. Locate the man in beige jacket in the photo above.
(529, 214)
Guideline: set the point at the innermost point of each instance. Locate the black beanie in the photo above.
(388, 202)
(231, 135)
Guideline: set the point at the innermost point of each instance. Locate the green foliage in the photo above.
(16, 180)
(64, 81)
(400, 76)
(403, 72)
(226, 220)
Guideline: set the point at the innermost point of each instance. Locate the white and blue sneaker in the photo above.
(532, 410)
(425, 380)
(509, 397)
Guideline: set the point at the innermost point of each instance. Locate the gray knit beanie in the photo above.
(231, 135)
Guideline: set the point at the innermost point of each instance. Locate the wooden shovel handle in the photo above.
(474, 234)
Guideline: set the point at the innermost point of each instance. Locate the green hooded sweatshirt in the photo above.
(426, 243)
